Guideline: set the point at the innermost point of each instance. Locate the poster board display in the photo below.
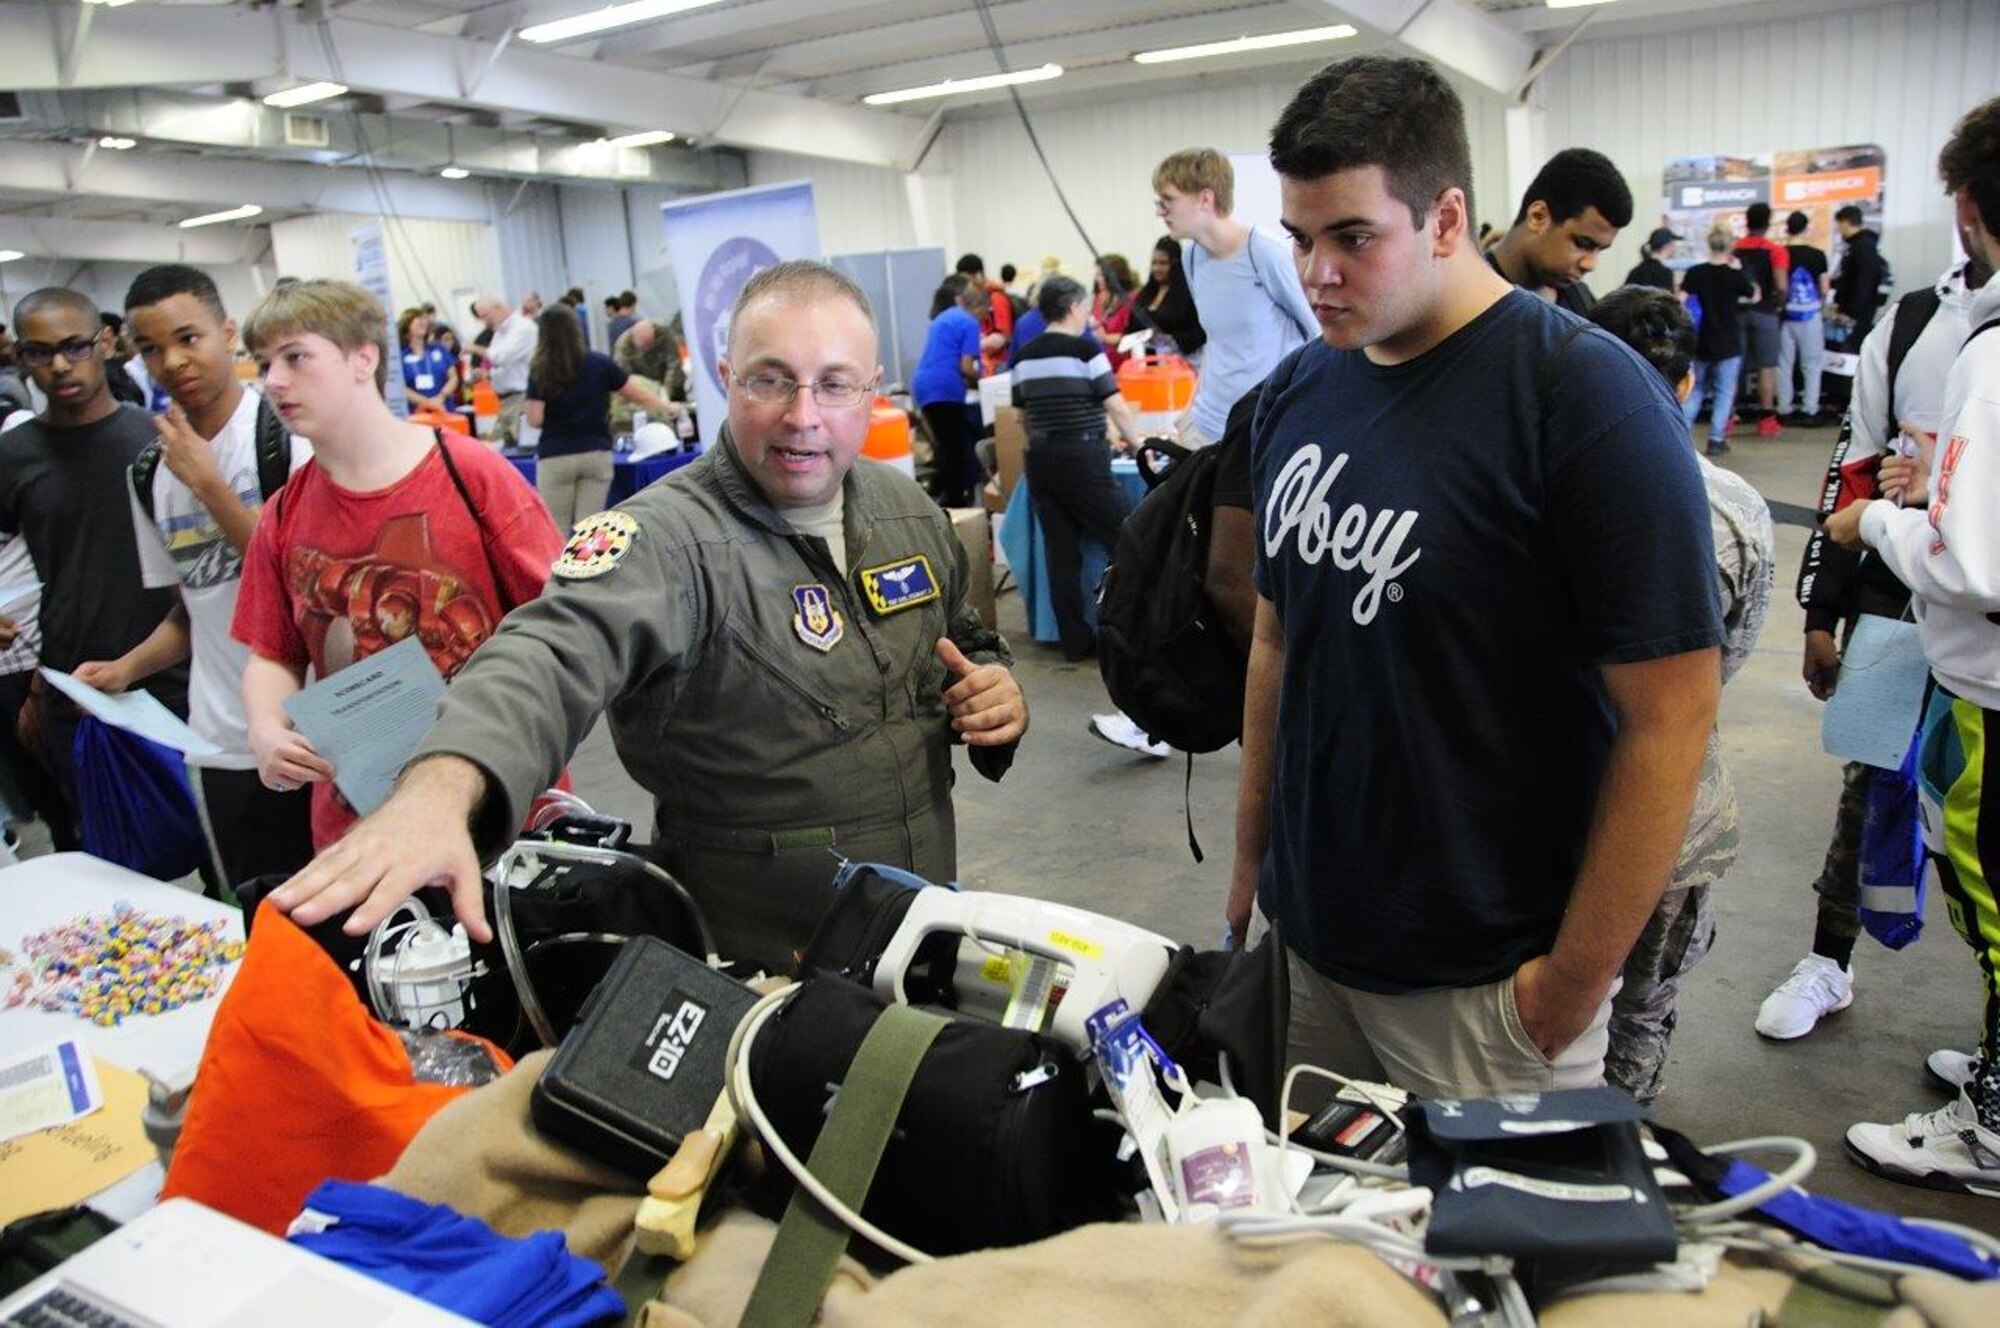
(1701, 191)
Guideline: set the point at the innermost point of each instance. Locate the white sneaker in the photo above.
(1946, 1149)
(1118, 729)
(1951, 1070)
(1816, 988)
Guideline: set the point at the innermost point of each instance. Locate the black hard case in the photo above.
(598, 1093)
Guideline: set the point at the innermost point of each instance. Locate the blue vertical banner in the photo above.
(371, 273)
(718, 242)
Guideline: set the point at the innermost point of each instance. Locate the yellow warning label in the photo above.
(1076, 945)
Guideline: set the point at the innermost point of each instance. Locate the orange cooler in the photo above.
(888, 437)
(1156, 384)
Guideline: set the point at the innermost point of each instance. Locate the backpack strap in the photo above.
(273, 448)
(1548, 376)
(1913, 314)
(141, 472)
(472, 510)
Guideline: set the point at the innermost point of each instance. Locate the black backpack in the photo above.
(1166, 659)
(274, 459)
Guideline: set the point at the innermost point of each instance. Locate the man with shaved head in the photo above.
(62, 488)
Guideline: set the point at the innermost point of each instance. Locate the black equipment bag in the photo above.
(1236, 1004)
(870, 901)
(646, 1061)
(32, 1245)
(995, 1144)
(564, 930)
(1166, 659)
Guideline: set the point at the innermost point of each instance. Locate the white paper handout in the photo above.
(368, 718)
(135, 711)
(46, 1086)
(1874, 711)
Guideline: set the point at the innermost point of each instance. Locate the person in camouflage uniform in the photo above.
(1682, 927)
(649, 350)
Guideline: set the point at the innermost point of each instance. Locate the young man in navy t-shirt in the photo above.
(1484, 663)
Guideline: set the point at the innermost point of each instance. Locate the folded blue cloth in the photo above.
(455, 1262)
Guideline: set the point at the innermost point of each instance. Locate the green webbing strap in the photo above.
(810, 1239)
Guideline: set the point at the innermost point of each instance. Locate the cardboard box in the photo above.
(1010, 448)
(975, 531)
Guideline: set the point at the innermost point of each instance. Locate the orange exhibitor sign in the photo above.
(1861, 184)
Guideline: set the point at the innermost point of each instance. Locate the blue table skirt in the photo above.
(1021, 541)
(627, 476)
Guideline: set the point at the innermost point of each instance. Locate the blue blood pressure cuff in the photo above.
(1559, 1175)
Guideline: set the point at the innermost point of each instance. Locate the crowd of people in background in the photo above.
(216, 543)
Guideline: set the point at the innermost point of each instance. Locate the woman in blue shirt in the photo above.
(949, 366)
(569, 400)
(430, 372)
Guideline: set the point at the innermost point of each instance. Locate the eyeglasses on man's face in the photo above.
(772, 389)
(39, 354)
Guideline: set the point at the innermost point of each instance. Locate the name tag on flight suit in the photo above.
(815, 619)
(900, 585)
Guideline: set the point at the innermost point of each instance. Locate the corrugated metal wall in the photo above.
(1104, 156)
(1898, 76)
(860, 207)
(529, 225)
(442, 262)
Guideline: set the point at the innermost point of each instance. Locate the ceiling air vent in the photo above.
(306, 131)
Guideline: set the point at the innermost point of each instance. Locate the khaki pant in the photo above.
(507, 428)
(1459, 1042)
(573, 486)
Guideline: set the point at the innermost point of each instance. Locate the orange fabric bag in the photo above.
(298, 1084)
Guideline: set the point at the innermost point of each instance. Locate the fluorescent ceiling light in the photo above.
(108, 4)
(1296, 38)
(303, 94)
(611, 16)
(645, 138)
(117, 144)
(953, 86)
(1573, 4)
(455, 173)
(234, 214)
(9, 255)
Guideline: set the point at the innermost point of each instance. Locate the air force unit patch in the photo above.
(596, 545)
(900, 585)
(816, 621)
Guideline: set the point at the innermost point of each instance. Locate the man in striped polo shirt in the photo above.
(1063, 385)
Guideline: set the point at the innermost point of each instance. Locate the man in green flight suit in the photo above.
(780, 637)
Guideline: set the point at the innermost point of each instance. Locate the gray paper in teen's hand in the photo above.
(368, 718)
(1874, 711)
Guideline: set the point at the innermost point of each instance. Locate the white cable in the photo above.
(744, 1097)
(1805, 1158)
(1258, 1227)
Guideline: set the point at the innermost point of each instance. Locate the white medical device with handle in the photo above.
(1105, 958)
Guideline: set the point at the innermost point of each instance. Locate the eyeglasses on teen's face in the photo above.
(770, 389)
(39, 355)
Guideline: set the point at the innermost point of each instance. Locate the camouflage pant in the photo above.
(1643, 1013)
(1839, 883)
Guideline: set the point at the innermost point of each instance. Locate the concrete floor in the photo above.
(1090, 824)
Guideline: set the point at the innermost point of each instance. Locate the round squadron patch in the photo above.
(596, 545)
